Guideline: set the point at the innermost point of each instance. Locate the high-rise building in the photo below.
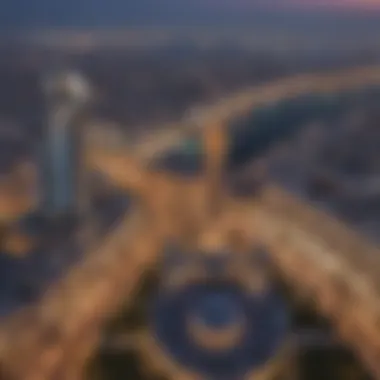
(63, 191)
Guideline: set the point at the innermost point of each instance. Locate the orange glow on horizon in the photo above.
(365, 5)
(340, 4)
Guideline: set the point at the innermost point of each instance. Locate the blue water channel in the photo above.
(255, 133)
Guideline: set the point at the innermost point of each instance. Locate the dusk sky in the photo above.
(107, 13)
(308, 4)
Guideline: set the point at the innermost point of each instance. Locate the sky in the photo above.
(107, 13)
(341, 5)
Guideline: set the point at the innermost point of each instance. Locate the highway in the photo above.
(349, 264)
(40, 341)
(75, 307)
(244, 102)
(329, 263)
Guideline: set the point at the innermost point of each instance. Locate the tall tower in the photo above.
(63, 191)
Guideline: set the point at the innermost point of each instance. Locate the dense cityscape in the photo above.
(105, 294)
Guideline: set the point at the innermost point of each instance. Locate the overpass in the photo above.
(53, 338)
